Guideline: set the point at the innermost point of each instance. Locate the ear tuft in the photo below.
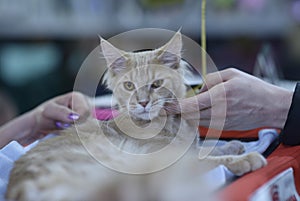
(114, 57)
(170, 53)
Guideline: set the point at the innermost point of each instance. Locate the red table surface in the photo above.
(282, 158)
(241, 189)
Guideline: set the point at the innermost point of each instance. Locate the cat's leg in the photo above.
(239, 164)
(233, 147)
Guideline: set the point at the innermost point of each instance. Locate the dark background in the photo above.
(43, 43)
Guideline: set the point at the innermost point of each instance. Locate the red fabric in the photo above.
(213, 133)
(240, 190)
(281, 159)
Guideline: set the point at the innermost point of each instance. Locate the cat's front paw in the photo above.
(234, 147)
(247, 163)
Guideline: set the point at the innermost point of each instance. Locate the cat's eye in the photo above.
(156, 84)
(129, 86)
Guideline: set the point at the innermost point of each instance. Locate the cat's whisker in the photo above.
(66, 160)
(165, 100)
(171, 110)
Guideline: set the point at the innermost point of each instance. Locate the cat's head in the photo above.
(143, 82)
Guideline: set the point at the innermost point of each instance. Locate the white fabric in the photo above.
(8, 155)
(217, 177)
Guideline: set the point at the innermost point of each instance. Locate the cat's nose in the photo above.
(144, 103)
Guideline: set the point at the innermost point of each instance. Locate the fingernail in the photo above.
(66, 125)
(73, 116)
(61, 125)
(58, 124)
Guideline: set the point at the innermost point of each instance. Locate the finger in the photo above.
(60, 113)
(189, 105)
(196, 103)
(80, 104)
(76, 101)
(62, 125)
(63, 99)
(203, 88)
(213, 79)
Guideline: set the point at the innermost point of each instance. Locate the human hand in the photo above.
(57, 113)
(234, 100)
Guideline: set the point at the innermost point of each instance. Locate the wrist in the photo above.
(17, 129)
(289, 134)
(25, 125)
(281, 105)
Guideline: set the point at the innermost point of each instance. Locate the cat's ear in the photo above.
(115, 58)
(170, 53)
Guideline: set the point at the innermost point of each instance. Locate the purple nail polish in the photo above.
(73, 116)
(66, 125)
(62, 125)
(58, 124)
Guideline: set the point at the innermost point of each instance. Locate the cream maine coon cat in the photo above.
(79, 164)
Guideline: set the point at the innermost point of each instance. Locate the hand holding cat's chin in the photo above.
(170, 108)
(163, 112)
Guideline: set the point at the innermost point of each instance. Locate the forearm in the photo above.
(64, 109)
(17, 128)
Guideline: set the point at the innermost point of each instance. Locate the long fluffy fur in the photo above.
(74, 165)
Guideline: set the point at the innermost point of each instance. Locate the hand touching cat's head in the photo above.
(142, 82)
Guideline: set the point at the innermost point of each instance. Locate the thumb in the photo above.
(195, 103)
(190, 105)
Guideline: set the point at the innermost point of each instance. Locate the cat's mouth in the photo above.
(146, 114)
(149, 112)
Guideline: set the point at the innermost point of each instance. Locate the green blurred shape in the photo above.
(224, 4)
(160, 3)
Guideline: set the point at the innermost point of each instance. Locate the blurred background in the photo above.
(43, 43)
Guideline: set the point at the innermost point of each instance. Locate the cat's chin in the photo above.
(145, 116)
